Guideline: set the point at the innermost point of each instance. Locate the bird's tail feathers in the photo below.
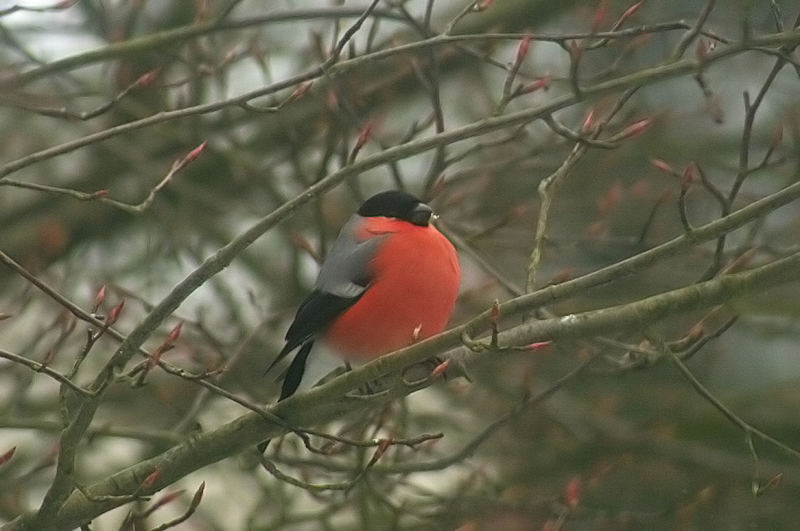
(287, 348)
(294, 374)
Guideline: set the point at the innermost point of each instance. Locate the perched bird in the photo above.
(390, 280)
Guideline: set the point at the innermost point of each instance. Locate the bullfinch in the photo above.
(391, 279)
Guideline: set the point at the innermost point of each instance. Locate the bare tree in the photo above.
(619, 179)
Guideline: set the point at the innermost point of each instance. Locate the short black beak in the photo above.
(420, 215)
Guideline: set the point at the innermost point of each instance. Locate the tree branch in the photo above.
(328, 401)
(643, 77)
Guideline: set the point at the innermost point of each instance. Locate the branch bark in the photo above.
(329, 401)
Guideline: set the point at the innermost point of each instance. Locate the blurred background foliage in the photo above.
(615, 449)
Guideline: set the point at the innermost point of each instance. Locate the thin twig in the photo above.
(102, 195)
(469, 449)
(44, 369)
(695, 30)
(250, 429)
(353, 29)
(224, 256)
(564, 131)
(735, 419)
(639, 78)
(550, 184)
(59, 6)
(198, 496)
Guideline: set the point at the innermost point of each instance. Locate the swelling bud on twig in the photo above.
(6, 457)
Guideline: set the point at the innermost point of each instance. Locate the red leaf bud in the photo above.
(630, 11)
(99, 298)
(6, 457)
(439, 369)
(198, 496)
(146, 79)
(113, 315)
(149, 480)
(193, 154)
(522, 49)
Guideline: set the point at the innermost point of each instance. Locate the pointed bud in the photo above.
(575, 51)
(522, 49)
(198, 496)
(48, 358)
(663, 166)
(538, 345)
(333, 100)
(113, 315)
(563, 276)
(146, 79)
(695, 333)
(300, 91)
(99, 298)
(4, 316)
(773, 483)
(494, 318)
(98, 194)
(543, 83)
(193, 154)
(383, 445)
(440, 369)
(364, 135)
(687, 178)
(634, 129)
(155, 357)
(599, 15)
(630, 11)
(168, 344)
(480, 5)
(588, 121)
(174, 334)
(572, 492)
(165, 499)
(6, 457)
(149, 480)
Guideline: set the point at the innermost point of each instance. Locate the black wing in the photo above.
(343, 278)
(317, 311)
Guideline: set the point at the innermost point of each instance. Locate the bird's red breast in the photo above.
(415, 279)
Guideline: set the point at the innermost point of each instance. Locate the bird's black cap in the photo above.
(397, 204)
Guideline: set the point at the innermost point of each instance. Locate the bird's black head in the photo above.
(397, 204)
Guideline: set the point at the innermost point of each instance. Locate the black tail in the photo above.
(294, 375)
(262, 446)
(292, 379)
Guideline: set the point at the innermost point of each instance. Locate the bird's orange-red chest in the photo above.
(415, 280)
